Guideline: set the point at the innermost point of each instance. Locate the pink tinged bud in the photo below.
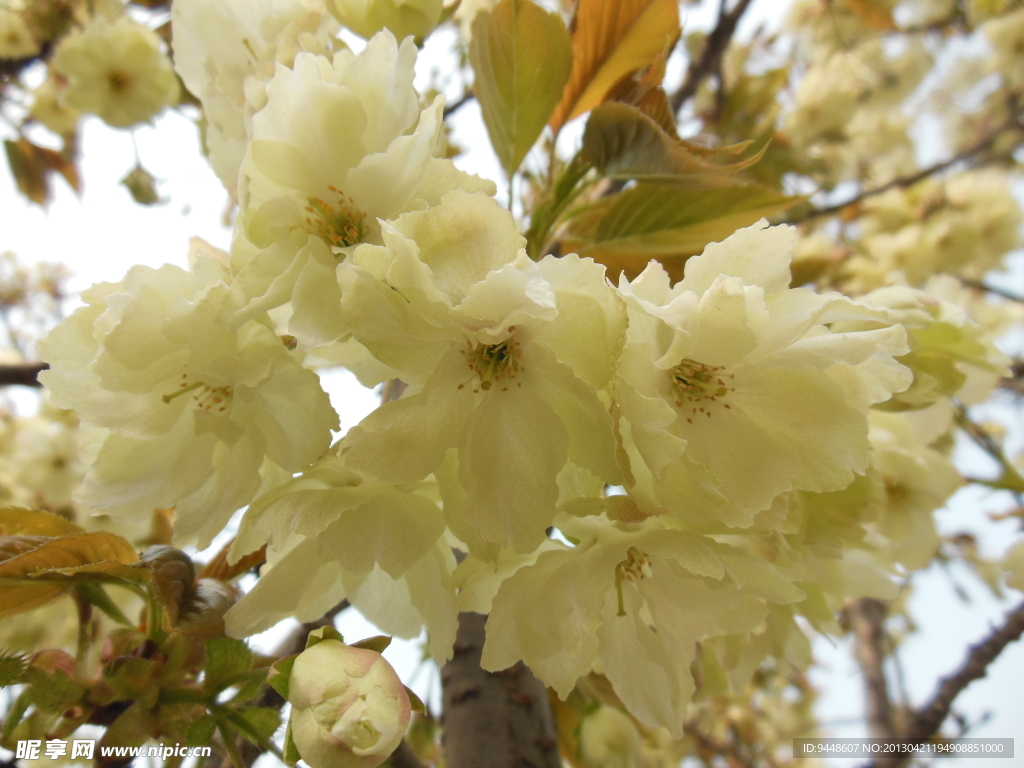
(349, 708)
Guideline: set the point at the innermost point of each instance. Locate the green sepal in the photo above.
(199, 733)
(321, 634)
(415, 702)
(281, 673)
(377, 644)
(226, 660)
(291, 752)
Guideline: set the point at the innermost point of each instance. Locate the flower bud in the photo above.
(609, 739)
(349, 708)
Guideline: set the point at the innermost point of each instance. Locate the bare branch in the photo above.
(867, 617)
(710, 60)
(459, 103)
(995, 291)
(25, 374)
(928, 719)
(904, 181)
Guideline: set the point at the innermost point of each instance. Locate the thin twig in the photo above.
(455, 106)
(903, 181)
(927, 721)
(24, 374)
(710, 60)
(992, 289)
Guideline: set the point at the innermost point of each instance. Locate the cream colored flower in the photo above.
(505, 358)
(49, 110)
(917, 480)
(116, 70)
(733, 388)
(334, 534)
(179, 408)
(949, 353)
(226, 52)
(962, 226)
(16, 40)
(340, 145)
(631, 600)
(1006, 33)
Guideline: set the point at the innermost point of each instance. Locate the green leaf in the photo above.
(281, 673)
(415, 702)
(656, 222)
(199, 733)
(13, 667)
(257, 724)
(321, 634)
(624, 143)
(226, 659)
(521, 57)
(377, 643)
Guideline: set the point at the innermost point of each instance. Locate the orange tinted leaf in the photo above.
(28, 172)
(220, 568)
(623, 143)
(874, 15)
(60, 561)
(30, 522)
(611, 39)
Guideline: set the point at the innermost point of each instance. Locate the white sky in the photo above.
(104, 233)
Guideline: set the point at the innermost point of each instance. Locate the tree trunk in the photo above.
(493, 719)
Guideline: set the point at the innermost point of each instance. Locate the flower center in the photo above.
(207, 398)
(698, 385)
(118, 82)
(340, 224)
(636, 567)
(494, 363)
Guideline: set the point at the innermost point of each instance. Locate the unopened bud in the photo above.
(349, 708)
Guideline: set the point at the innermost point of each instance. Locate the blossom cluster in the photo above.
(638, 475)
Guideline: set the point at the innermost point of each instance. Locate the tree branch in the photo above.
(867, 619)
(981, 286)
(455, 106)
(710, 60)
(25, 374)
(904, 181)
(494, 719)
(928, 719)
